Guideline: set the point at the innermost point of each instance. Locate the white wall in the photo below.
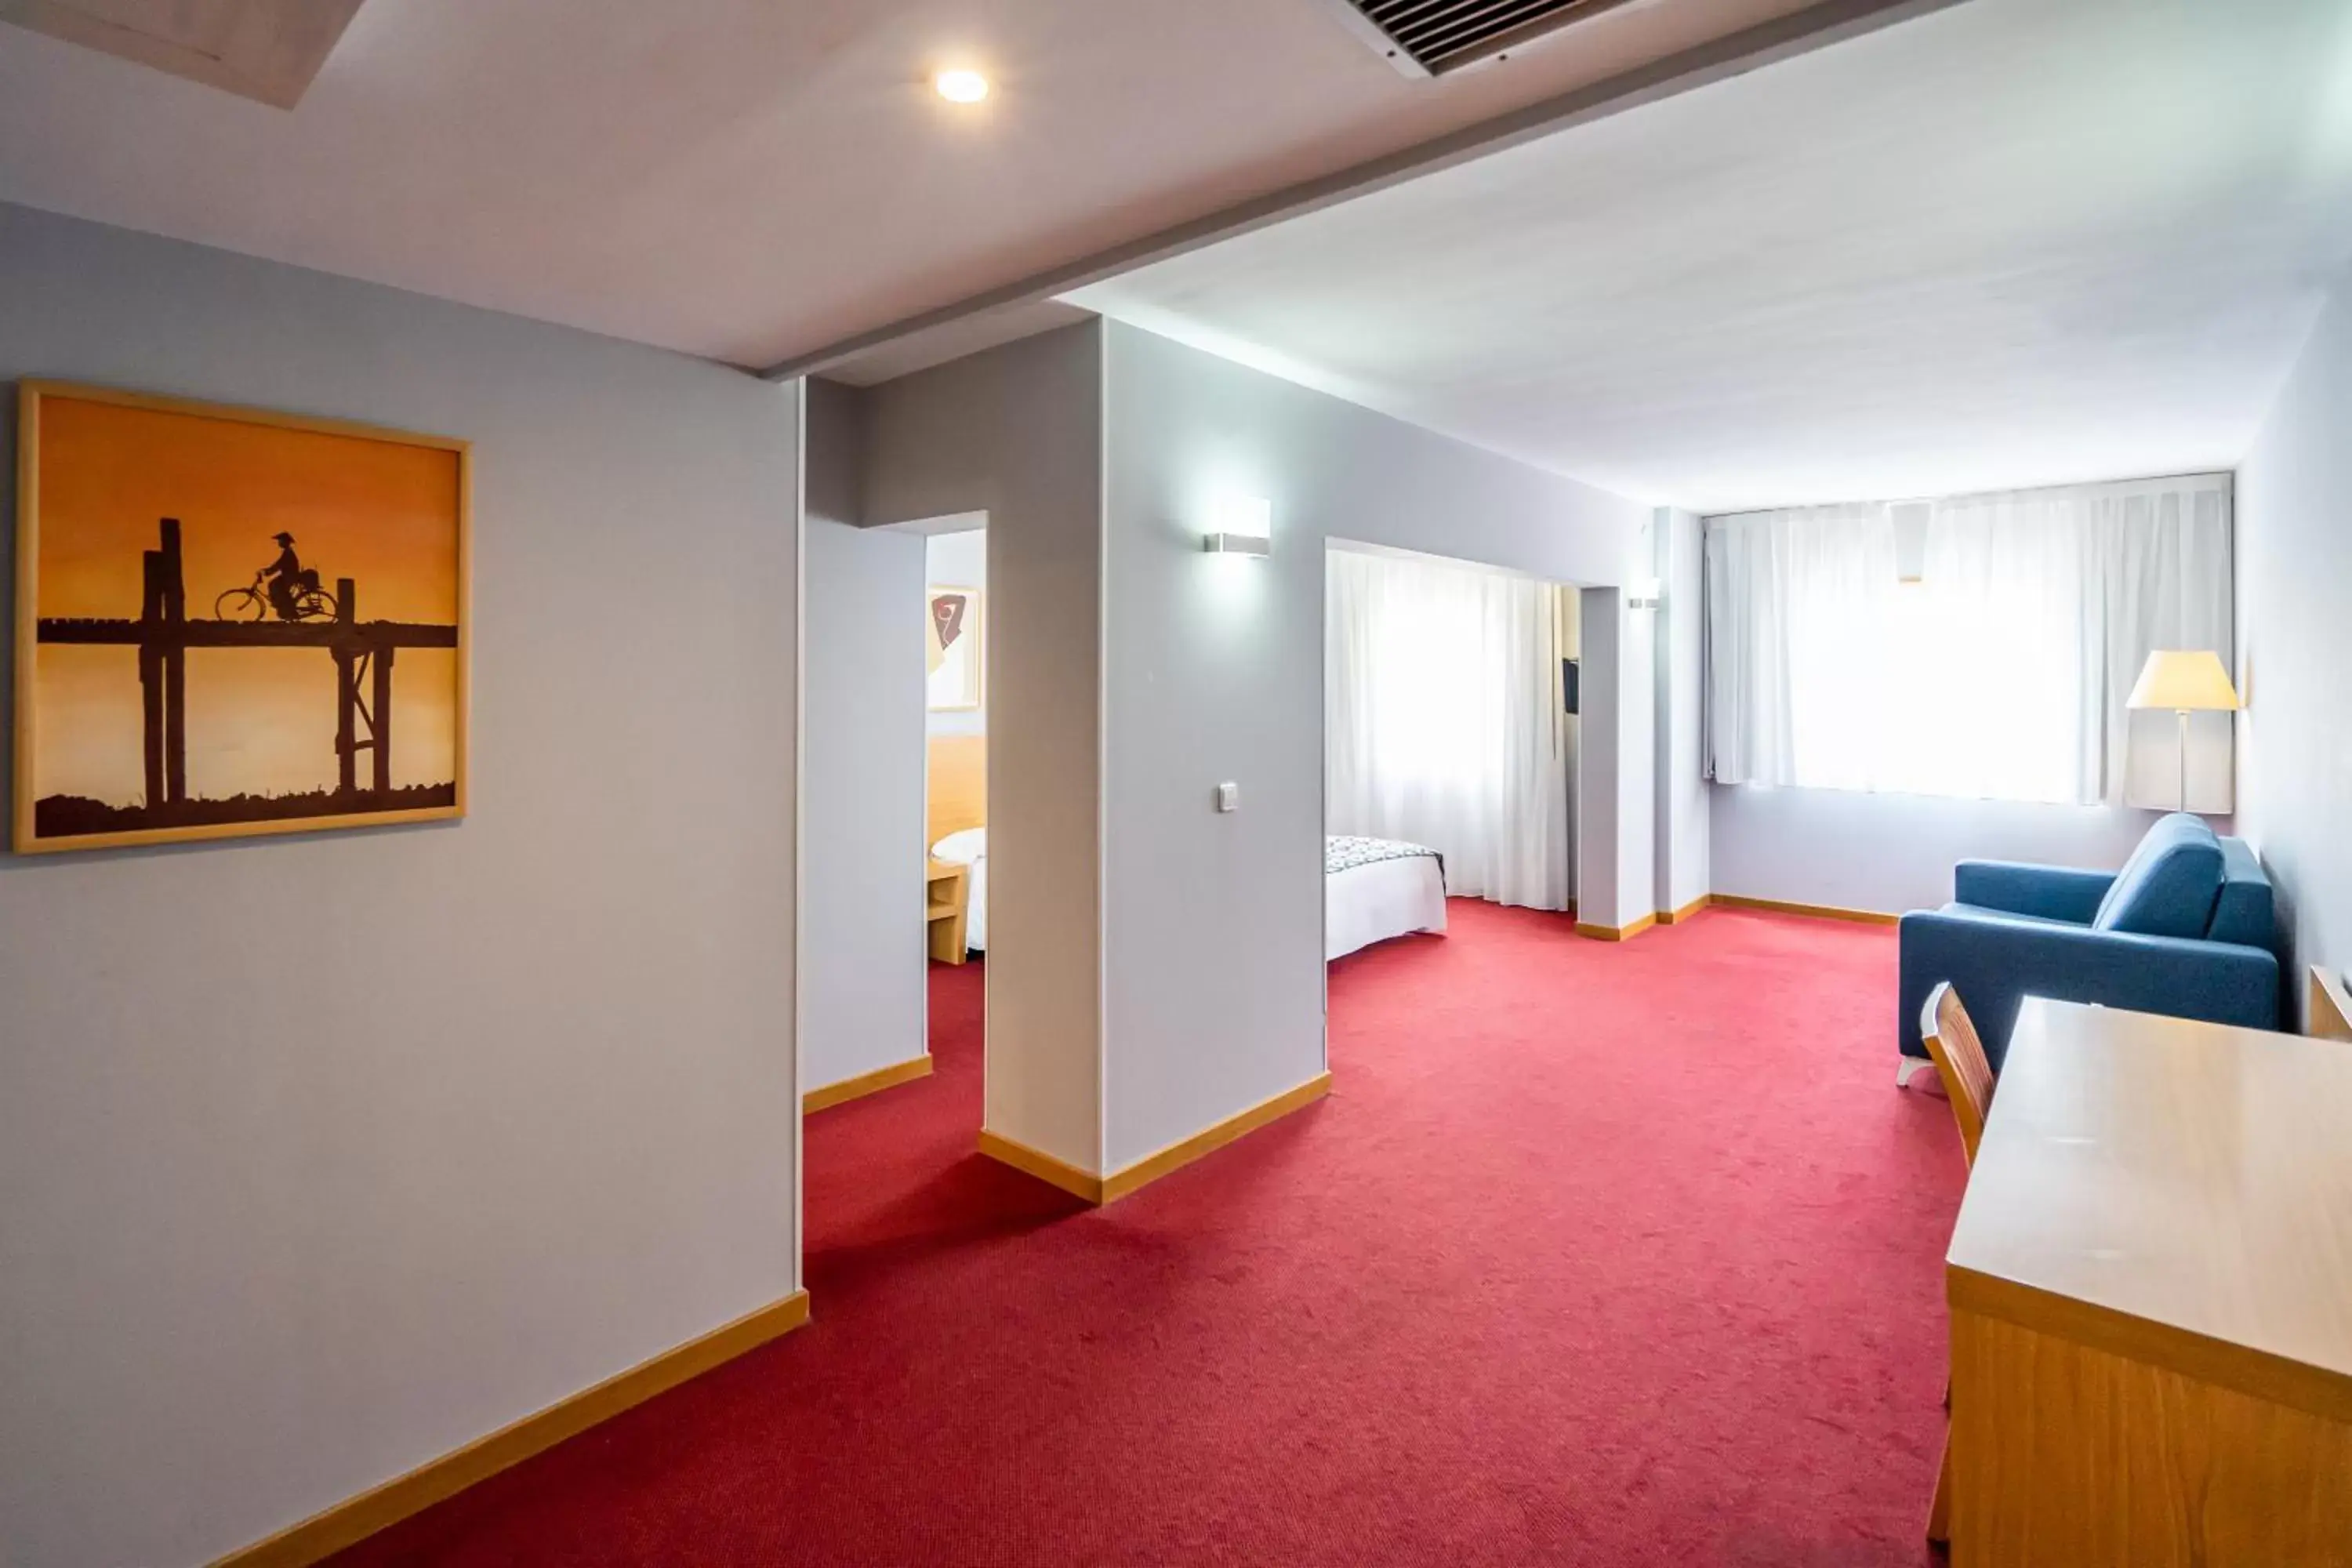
(959, 560)
(1016, 432)
(865, 990)
(1212, 670)
(323, 1155)
(1617, 856)
(2294, 585)
(1637, 751)
(1890, 853)
(864, 984)
(1598, 804)
(1685, 871)
(1571, 733)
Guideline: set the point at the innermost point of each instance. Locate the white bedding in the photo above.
(970, 848)
(1370, 903)
(1362, 905)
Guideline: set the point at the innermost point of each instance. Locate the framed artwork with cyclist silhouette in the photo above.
(231, 621)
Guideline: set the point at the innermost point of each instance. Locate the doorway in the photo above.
(1450, 741)
(955, 741)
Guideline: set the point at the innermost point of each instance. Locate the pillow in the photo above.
(962, 849)
(2168, 886)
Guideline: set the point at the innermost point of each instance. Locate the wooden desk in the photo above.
(947, 909)
(2331, 1008)
(2151, 1295)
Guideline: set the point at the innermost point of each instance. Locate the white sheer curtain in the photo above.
(2000, 676)
(1443, 725)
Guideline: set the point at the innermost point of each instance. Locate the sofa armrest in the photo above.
(2052, 892)
(1995, 963)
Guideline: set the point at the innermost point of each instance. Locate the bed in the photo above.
(957, 829)
(1374, 888)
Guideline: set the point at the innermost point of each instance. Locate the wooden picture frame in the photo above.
(102, 570)
(957, 629)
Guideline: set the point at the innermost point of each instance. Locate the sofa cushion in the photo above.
(2169, 885)
(2243, 914)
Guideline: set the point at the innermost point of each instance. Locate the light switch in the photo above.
(1229, 797)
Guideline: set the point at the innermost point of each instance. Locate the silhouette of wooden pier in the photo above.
(363, 653)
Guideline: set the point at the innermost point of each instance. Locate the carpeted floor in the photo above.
(1596, 1254)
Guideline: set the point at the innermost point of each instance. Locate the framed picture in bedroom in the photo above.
(233, 621)
(952, 650)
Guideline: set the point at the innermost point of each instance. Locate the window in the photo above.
(2000, 675)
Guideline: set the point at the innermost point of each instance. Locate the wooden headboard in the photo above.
(958, 785)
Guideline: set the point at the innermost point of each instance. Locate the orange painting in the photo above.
(233, 621)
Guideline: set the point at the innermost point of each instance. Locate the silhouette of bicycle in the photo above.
(311, 602)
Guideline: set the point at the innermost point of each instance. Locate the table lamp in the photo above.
(2187, 681)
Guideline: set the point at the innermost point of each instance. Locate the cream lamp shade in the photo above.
(2184, 681)
(2187, 681)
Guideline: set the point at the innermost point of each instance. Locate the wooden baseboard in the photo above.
(1819, 912)
(1616, 933)
(1084, 1184)
(356, 1518)
(867, 1083)
(1735, 901)
(1099, 1190)
(1151, 1167)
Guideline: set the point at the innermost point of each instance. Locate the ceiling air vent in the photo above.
(1431, 37)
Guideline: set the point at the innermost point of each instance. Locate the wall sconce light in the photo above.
(1245, 526)
(1646, 593)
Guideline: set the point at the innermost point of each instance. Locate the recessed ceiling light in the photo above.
(962, 86)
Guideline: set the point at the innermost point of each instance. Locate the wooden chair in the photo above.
(1968, 1080)
(1959, 1059)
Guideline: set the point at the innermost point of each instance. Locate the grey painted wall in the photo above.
(323, 1155)
(833, 433)
(1213, 671)
(1016, 432)
(863, 991)
(2295, 573)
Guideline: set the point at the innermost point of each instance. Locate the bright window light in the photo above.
(962, 86)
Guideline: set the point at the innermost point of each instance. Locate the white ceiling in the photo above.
(751, 179)
(2011, 243)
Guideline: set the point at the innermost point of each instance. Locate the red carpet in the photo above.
(1596, 1254)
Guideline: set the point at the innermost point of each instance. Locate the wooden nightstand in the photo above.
(945, 898)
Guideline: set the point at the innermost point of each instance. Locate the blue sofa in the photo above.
(2184, 928)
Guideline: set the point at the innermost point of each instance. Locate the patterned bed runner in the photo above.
(1346, 851)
